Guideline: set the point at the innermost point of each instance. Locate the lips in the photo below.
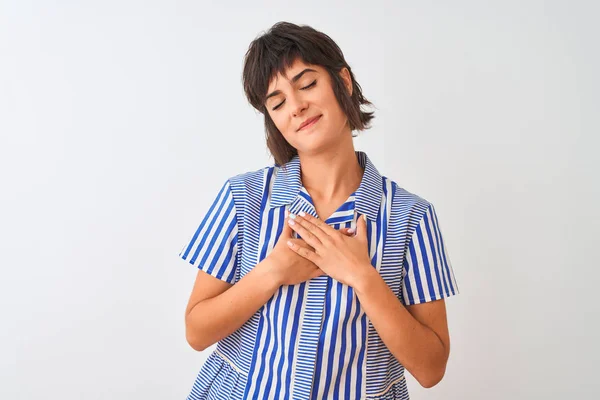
(309, 122)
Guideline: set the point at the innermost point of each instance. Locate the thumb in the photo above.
(346, 232)
(318, 272)
(361, 227)
(287, 229)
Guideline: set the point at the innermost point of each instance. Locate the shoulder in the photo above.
(248, 185)
(251, 179)
(403, 201)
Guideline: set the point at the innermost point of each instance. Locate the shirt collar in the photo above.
(288, 184)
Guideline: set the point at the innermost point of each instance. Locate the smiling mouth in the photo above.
(311, 123)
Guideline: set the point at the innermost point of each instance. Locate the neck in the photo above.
(331, 175)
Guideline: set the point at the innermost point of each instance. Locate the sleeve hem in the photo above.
(212, 273)
(422, 300)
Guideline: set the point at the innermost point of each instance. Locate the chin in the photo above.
(316, 146)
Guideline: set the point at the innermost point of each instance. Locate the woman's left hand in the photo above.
(341, 257)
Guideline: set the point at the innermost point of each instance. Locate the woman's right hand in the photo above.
(290, 267)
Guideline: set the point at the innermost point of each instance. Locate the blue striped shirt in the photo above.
(313, 340)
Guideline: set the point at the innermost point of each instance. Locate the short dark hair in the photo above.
(274, 52)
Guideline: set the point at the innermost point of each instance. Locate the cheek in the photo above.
(332, 103)
(336, 114)
(281, 123)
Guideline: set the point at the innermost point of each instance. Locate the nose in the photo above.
(297, 104)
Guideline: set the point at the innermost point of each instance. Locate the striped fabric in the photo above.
(313, 340)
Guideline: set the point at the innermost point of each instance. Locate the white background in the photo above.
(120, 120)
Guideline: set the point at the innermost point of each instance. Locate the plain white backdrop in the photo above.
(120, 120)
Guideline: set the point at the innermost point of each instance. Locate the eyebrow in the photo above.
(294, 80)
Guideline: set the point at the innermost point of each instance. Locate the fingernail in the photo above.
(292, 216)
(364, 217)
(350, 230)
(302, 213)
(286, 213)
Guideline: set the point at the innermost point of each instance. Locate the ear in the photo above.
(345, 75)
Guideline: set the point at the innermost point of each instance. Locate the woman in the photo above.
(338, 297)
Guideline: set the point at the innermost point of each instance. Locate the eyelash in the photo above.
(304, 88)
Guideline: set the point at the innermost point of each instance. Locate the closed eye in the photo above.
(304, 88)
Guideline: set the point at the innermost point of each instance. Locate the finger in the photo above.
(299, 226)
(311, 226)
(320, 224)
(303, 251)
(301, 243)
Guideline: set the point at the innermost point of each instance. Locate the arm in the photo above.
(225, 307)
(416, 335)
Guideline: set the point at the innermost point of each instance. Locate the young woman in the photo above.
(318, 277)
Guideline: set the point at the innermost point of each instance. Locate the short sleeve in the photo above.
(213, 247)
(427, 273)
